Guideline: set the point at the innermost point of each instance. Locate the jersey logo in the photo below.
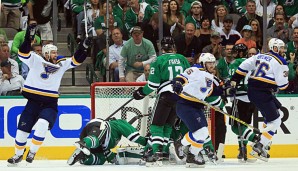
(49, 69)
(208, 85)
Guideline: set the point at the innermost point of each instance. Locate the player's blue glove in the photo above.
(177, 87)
(138, 94)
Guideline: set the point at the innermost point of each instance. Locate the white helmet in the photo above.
(274, 42)
(46, 49)
(206, 57)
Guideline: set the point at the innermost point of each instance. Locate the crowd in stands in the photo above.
(197, 26)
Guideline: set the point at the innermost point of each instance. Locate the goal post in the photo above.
(107, 97)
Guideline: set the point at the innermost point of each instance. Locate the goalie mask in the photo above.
(96, 127)
(168, 44)
(239, 51)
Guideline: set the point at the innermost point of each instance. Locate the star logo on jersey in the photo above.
(49, 69)
(139, 56)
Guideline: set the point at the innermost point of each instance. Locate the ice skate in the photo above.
(77, 155)
(180, 150)
(81, 145)
(30, 157)
(14, 160)
(260, 152)
(154, 160)
(211, 155)
(195, 161)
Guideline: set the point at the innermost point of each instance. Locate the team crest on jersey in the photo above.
(49, 69)
(208, 82)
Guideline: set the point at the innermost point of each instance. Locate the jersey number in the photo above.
(261, 69)
(174, 71)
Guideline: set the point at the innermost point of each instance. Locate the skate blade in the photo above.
(247, 160)
(254, 154)
(192, 165)
(13, 165)
(84, 150)
(154, 164)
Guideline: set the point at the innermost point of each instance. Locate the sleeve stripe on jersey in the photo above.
(152, 85)
(62, 59)
(184, 78)
(74, 61)
(283, 87)
(24, 55)
(241, 71)
(281, 61)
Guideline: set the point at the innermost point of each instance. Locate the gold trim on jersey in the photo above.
(40, 92)
(264, 80)
(62, 59)
(74, 61)
(184, 79)
(24, 55)
(240, 72)
(275, 57)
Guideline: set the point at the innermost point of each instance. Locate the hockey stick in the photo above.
(224, 113)
(235, 113)
(85, 16)
(137, 117)
(109, 117)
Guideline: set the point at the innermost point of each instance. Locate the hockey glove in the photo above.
(138, 94)
(230, 91)
(177, 87)
(87, 42)
(32, 30)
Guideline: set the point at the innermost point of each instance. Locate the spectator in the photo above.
(77, 6)
(145, 75)
(278, 9)
(137, 14)
(151, 30)
(174, 18)
(3, 35)
(114, 52)
(229, 35)
(238, 5)
(215, 47)
(205, 31)
(195, 17)
(219, 15)
(135, 54)
(2, 39)
(10, 13)
(209, 7)
(40, 11)
(293, 21)
(184, 6)
(279, 30)
(246, 39)
(292, 46)
(25, 69)
(249, 15)
(270, 9)
(290, 7)
(293, 75)
(188, 44)
(251, 52)
(120, 9)
(10, 80)
(165, 6)
(223, 63)
(257, 35)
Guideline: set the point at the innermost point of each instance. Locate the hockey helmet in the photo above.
(46, 49)
(274, 42)
(167, 44)
(240, 48)
(206, 57)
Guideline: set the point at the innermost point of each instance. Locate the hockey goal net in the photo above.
(108, 97)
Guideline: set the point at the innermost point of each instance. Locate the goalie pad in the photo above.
(129, 155)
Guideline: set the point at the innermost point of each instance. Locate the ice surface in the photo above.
(274, 164)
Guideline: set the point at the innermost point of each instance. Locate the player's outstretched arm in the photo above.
(29, 36)
(81, 53)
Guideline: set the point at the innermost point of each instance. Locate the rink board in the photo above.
(74, 113)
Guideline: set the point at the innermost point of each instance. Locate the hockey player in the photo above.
(270, 72)
(197, 83)
(98, 137)
(41, 90)
(242, 107)
(162, 71)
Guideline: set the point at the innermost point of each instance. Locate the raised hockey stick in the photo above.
(222, 112)
(236, 114)
(85, 16)
(109, 117)
(137, 117)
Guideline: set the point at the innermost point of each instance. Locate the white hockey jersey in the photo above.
(198, 83)
(44, 78)
(268, 71)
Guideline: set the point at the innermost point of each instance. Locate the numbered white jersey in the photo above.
(198, 83)
(268, 71)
